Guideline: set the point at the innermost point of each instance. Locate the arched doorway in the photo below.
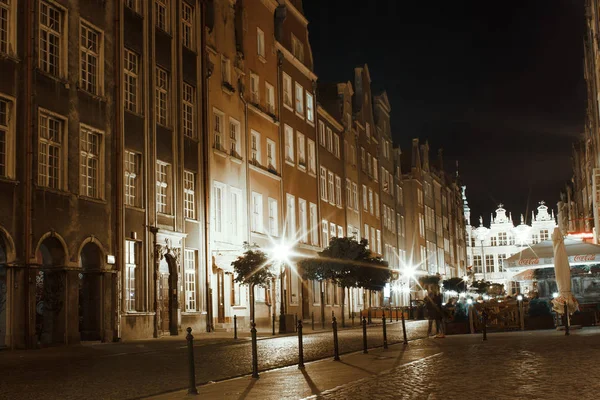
(90, 292)
(49, 292)
(168, 295)
(3, 288)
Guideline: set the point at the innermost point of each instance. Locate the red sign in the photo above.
(589, 257)
(529, 261)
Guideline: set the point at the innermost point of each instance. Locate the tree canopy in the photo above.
(481, 286)
(347, 263)
(455, 284)
(252, 267)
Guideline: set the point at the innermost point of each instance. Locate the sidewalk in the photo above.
(317, 377)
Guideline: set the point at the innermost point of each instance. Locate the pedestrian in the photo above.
(429, 306)
(439, 316)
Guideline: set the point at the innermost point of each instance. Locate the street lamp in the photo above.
(281, 253)
(554, 295)
(469, 301)
(520, 298)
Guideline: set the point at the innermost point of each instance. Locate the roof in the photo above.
(541, 255)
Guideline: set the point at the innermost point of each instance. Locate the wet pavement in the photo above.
(530, 365)
(144, 368)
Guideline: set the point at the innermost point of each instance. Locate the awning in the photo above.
(541, 255)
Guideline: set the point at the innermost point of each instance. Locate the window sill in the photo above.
(219, 152)
(138, 313)
(262, 58)
(290, 163)
(192, 313)
(135, 113)
(301, 167)
(166, 215)
(136, 208)
(236, 160)
(239, 307)
(6, 179)
(192, 138)
(92, 199)
(90, 94)
(195, 221)
(227, 88)
(9, 56)
(301, 115)
(59, 79)
(164, 32)
(312, 173)
(288, 106)
(310, 122)
(163, 125)
(51, 190)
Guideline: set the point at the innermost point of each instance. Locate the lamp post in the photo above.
(280, 253)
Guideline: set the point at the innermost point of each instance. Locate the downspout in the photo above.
(205, 151)
(119, 144)
(29, 15)
(318, 173)
(247, 167)
(281, 190)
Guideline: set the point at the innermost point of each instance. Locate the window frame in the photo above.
(98, 88)
(135, 158)
(299, 101)
(255, 150)
(257, 213)
(260, 42)
(158, 5)
(132, 99)
(99, 157)
(8, 44)
(8, 128)
(187, 25)
(188, 110)
(273, 217)
(60, 71)
(301, 148)
(189, 195)
(161, 96)
(62, 150)
(190, 286)
(288, 95)
(168, 195)
(311, 156)
(271, 155)
(310, 108)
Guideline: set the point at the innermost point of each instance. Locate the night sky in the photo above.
(500, 88)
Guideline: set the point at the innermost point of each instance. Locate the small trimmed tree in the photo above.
(253, 269)
(455, 285)
(481, 286)
(349, 264)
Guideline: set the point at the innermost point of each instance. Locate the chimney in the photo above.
(280, 14)
(416, 159)
(425, 156)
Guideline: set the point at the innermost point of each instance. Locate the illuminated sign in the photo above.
(529, 261)
(110, 259)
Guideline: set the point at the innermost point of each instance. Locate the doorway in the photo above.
(49, 293)
(90, 293)
(167, 296)
(221, 296)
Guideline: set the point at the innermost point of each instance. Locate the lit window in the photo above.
(273, 218)
(377, 214)
(371, 210)
(235, 213)
(90, 46)
(323, 181)
(189, 100)
(336, 145)
(329, 140)
(331, 187)
(162, 96)
(190, 280)
(52, 31)
(287, 90)
(271, 155)
(50, 157)
(7, 26)
(257, 212)
(132, 179)
(161, 14)
(338, 191)
(260, 42)
(218, 129)
(301, 150)
(90, 158)
(255, 147)
(163, 195)
(290, 219)
(299, 99)
(348, 193)
(310, 111)
(314, 229)
(332, 230)
(355, 195)
(365, 200)
(254, 89)
(7, 154)
(297, 48)
(289, 144)
(322, 133)
(226, 71)
(131, 85)
(312, 164)
(302, 217)
(366, 234)
(219, 209)
(187, 25)
(130, 271)
(270, 98)
(189, 195)
(234, 138)
(325, 233)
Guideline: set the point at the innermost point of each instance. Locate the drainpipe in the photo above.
(318, 173)
(29, 16)
(248, 190)
(281, 190)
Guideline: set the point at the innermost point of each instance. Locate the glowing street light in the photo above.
(281, 253)
(554, 295)
(520, 298)
(469, 301)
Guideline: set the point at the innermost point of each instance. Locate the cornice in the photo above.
(321, 111)
(270, 4)
(290, 57)
(296, 12)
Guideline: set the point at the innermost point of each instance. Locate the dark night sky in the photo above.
(498, 85)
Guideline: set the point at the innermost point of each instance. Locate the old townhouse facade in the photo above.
(183, 129)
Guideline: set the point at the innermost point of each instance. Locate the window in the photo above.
(257, 212)
(218, 129)
(348, 193)
(329, 140)
(294, 286)
(255, 147)
(379, 241)
(366, 234)
(371, 208)
(189, 95)
(340, 232)
(287, 91)
(90, 162)
(236, 213)
(323, 184)
(310, 110)
(189, 195)
(421, 225)
(321, 133)
(134, 5)
(325, 233)
(369, 165)
(161, 14)
(312, 162)
(316, 289)
(7, 154)
(477, 264)
(254, 89)
(489, 263)
(162, 96)
(332, 230)
(225, 71)
(131, 87)
(289, 144)
(338, 191)
(353, 155)
(190, 279)
(314, 228)
(187, 25)
(130, 270)
(375, 169)
(362, 159)
(219, 208)
(331, 188)
(273, 218)
(270, 94)
(423, 256)
(132, 176)
(501, 258)
(493, 241)
(336, 145)
(52, 39)
(291, 216)
(419, 197)
(303, 220)
(373, 240)
(368, 129)
(377, 213)
(271, 155)
(401, 226)
(260, 42)
(234, 138)
(502, 238)
(299, 99)
(544, 234)
(301, 150)
(365, 200)
(399, 195)
(7, 26)
(50, 156)
(355, 195)
(297, 48)
(163, 195)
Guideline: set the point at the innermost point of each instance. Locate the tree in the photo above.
(252, 268)
(455, 285)
(481, 286)
(349, 264)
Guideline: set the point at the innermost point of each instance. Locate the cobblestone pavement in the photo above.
(531, 365)
(143, 368)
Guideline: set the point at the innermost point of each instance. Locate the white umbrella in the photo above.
(562, 269)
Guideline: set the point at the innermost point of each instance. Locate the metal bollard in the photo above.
(300, 346)
(566, 320)
(235, 327)
(484, 315)
(273, 324)
(404, 328)
(397, 314)
(192, 367)
(385, 346)
(336, 348)
(254, 352)
(352, 318)
(296, 322)
(364, 324)
(312, 317)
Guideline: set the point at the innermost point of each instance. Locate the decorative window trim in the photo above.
(9, 129)
(63, 162)
(98, 90)
(100, 157)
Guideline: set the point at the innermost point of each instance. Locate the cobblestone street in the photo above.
(144, 368)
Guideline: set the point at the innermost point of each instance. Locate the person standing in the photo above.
(439, 315)
(431, 312)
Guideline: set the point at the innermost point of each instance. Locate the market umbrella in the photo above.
(562, 269)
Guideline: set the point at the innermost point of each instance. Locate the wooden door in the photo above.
(163, 303)
(221, 296)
